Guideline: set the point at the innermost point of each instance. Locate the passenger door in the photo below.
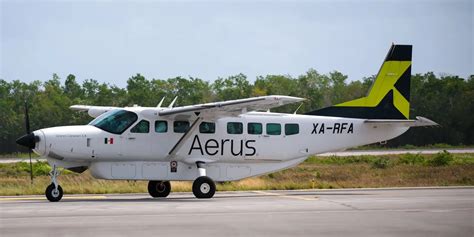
(271, 145)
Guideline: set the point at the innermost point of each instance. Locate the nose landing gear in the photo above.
(54, 192)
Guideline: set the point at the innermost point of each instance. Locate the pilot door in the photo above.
(136, 141)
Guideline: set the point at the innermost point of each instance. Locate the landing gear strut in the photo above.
(54, 192)
(159, 188)
(203, 186)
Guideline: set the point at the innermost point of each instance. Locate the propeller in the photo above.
(29, 140)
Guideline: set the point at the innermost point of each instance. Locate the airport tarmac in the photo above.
(346, 212)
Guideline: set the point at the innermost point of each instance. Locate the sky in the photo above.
(110, 41)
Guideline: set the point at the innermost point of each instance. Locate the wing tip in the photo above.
(291, 99)
(79, 107)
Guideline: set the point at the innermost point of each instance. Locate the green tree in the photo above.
(446, 99)
(139, 91)
(72, 89)
(231, 88)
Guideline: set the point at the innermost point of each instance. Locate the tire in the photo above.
(159, 188)
(52, 195)
(204, 187)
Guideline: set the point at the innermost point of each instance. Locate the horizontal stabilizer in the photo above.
(418, 122)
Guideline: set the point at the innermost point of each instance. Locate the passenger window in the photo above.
(292, 129)
(205, 127)
(161, 126)
(254, 128)
(180, 126)
(235, 128)
(141, 127)
(273, 129)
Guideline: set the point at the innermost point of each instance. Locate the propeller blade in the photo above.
(28, 140)
(31, 167)
(27, 119)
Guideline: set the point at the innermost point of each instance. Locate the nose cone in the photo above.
(28, 140)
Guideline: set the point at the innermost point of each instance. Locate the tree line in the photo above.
(446, 99)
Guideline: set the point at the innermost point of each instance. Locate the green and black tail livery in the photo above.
(389, 97)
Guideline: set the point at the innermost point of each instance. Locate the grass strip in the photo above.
(406, 170)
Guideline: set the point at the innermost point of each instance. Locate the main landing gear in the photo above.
(203, 186)
(54, 192)
(159, 188)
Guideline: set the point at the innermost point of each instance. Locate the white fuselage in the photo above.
(146, 156)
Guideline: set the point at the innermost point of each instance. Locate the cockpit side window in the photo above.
(141, 127)
(115, 121)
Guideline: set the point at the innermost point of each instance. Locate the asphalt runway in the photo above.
(352, 212)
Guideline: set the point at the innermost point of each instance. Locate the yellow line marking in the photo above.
(43, 198)
(86, 197)
(24, 198)
(287, 196)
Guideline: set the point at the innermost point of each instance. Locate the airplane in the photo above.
(223, 141)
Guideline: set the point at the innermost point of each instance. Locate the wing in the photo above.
(230, 107)
(93, 111)
(418, 122)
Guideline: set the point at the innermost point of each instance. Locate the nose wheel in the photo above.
(54, 192)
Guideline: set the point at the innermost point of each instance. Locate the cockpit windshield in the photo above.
(115, 121)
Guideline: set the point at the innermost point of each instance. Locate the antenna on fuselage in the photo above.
(172, 103)
(298, 108)
(161, 102)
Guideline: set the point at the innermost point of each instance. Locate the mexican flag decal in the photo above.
(109, 140)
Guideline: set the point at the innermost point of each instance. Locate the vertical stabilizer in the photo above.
(389, 96)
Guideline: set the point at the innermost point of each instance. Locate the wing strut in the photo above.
(185, 136)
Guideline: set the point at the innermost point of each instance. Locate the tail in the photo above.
(389, 96)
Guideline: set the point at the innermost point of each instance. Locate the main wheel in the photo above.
(204, 187)
(159, 188)
(53, 194)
